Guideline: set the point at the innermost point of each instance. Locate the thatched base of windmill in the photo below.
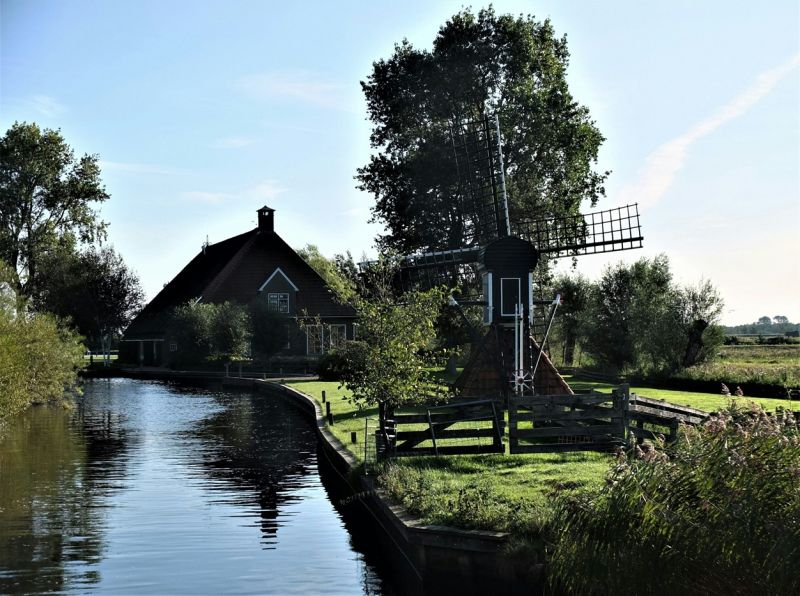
(487, 374)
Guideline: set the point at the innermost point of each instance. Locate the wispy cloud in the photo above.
(140, 168)
(263, 191)
(300, 85)
(663, 165)
(45, 105)
(233, 142)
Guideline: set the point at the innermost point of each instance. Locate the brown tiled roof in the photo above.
(234, 270)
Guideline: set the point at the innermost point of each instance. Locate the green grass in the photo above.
(495, 491)
(709, 402)
(767, 364)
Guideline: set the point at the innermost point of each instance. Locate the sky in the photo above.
(201, 112)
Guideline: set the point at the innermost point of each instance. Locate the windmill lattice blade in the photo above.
(479, 161)
(428, 270)
(598, 232)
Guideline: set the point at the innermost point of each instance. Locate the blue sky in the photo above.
(201, 112)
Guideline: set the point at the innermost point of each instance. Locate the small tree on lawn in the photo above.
(394, 366)
(230, 331)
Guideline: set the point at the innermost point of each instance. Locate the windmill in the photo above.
(502, 255)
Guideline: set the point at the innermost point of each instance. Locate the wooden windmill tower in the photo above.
(507, 356)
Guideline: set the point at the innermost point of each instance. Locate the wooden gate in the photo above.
(457, 428)
(580, 422)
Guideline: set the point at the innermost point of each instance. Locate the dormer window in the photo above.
(278, 302)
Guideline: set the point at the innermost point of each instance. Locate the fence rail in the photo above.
(553, 423)
(433, 432)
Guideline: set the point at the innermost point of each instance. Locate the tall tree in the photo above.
(95, 289)
(514, 66)
(46, 199)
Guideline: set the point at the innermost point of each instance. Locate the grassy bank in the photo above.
(742, 364)
(702, 401)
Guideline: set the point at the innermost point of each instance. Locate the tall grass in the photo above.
(719, 513)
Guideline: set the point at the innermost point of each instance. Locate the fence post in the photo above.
(323, 396)
(328, 413)
(625, 390)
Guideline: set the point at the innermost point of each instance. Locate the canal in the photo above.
(147, 487)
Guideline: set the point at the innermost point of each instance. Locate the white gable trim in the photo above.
(274, 273)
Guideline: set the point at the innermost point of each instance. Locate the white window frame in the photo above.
(173, 346)
(343, 335)
(502, 301)
(314, 328)
(279, 305)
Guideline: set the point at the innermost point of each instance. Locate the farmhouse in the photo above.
(256, 265)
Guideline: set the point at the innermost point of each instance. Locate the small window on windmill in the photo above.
(509, 295)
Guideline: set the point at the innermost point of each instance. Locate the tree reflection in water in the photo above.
(53, 495)
(264, 448)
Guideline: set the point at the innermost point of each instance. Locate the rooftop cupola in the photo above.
(266, 219)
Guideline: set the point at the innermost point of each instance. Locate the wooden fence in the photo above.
(457, 428)
(662, 418)
(554, 423)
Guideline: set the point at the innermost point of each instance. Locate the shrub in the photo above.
(39, 357)
(340, 362)
(717, 514)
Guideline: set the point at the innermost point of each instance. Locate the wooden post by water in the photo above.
(328, 413)
(323, 396)
(353, 437)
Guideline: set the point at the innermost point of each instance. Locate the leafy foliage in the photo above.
(717, 514)
(46, 198)
(514, 66)
(206, 331)
(338, 273)
(393, 368)
(637, 318)
(94, 289)
(39, 356)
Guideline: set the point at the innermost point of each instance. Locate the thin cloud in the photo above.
(301, 86)
(663, 165)
(46, 105)
(233, 142)
(263, 191)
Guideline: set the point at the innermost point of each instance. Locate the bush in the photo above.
(717, 514)
(338, 363)
(39, 357)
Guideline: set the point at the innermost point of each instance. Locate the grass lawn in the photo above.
(702, 401)
(493, 491)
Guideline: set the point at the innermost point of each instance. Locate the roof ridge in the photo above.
(228, 268)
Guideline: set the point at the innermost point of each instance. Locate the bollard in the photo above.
(323, 396)
(328, 413)
(353, 437)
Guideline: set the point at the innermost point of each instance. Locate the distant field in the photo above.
(774, 365)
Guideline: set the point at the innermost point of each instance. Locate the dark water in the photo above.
(151, 488)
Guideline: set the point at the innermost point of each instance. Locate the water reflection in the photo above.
(57, 469)
(263, 449)
(148, 488)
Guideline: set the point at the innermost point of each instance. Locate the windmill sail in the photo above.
(598, 232)
(482, 187)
